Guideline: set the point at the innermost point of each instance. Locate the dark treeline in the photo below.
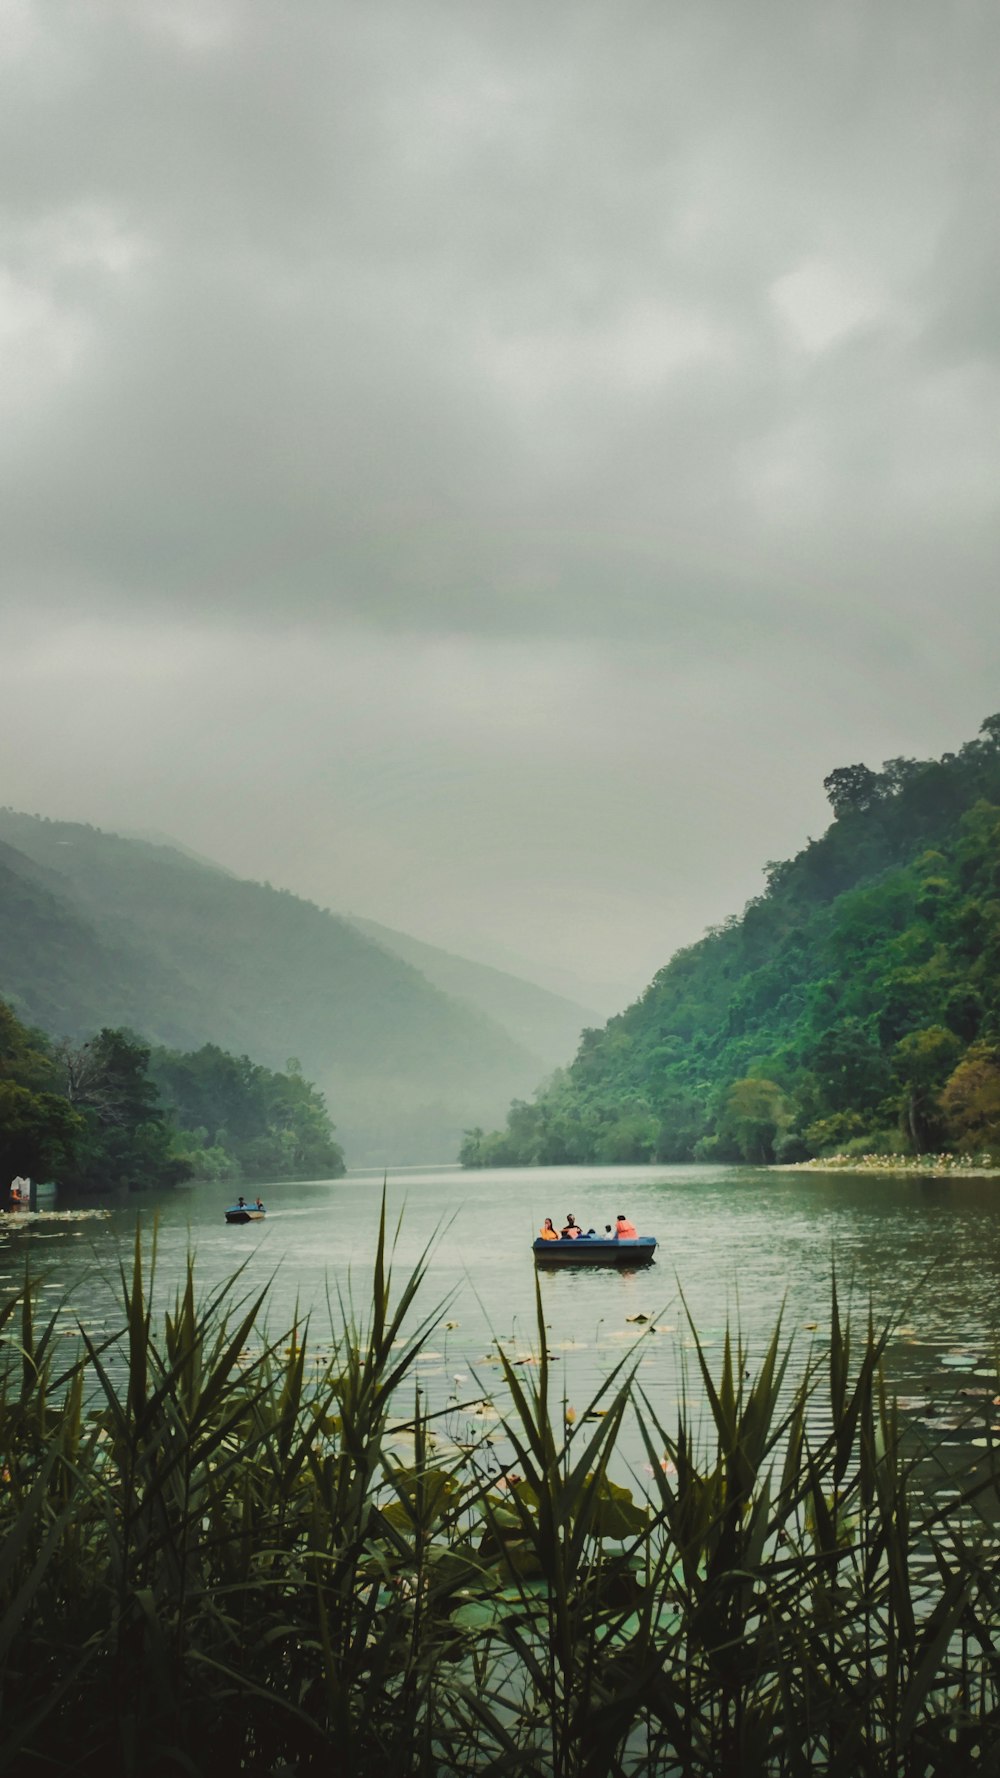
(110, 1113)
(853, 1007)
(235, 1117)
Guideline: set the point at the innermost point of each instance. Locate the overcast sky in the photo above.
(482, 465)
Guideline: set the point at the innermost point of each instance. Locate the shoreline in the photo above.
(899, 1166)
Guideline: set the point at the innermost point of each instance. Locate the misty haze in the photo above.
(501, 707)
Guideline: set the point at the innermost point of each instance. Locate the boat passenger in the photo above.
(625, 1230)
(241, 1203)
(258, 1205)
(547, 1232)
(572, 1230)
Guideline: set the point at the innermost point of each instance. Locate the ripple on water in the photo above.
(739, 1243)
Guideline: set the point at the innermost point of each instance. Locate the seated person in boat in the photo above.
(258, 1205)
(625, 1230)
(571, 1232)
(547, 1232)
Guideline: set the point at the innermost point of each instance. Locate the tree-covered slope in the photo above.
(100, 929)
(55, 970)
(855, 1003)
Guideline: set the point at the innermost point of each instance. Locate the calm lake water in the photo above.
(737, 1242)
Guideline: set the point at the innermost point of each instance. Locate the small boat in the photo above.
(245, 1213)
(590, 1250)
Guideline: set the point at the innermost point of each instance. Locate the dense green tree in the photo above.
(921, 1063)
(471, 1152)
(852, 787)
(26, 1056)
(970, 1099)
(236, 1117)
(128, 1139)
(850, 1068)
(754, 1114)
(40, 1135)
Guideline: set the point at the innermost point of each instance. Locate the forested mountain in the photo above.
(55, 967)
(547, 1024)
(97, 930)
(854, 1005)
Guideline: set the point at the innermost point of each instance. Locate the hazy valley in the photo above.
(409, 1044)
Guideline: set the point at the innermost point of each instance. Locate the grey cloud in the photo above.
(358, 359)
(464, 319)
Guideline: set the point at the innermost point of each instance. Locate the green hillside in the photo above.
(54, 967)
(100, 930)
(854, 1005)
(547, 1024)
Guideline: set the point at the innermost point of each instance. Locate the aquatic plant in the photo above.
(228, 1549)
(902, 1163)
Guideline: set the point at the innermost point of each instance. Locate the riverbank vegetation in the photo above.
(236, 1119)
(853, 1007)
(110, 1114)
(944, 1164)
(228, 1547)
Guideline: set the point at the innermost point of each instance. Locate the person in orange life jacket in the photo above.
(625, 1230)
(547, 1232)
(572, 1230)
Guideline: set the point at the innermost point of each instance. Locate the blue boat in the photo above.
(590, 1250)
(245, 1213)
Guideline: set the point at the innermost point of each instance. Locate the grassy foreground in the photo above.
(223, 1555)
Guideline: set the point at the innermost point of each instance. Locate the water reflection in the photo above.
(736, 1245)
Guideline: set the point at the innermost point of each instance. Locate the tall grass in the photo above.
(230, 1550)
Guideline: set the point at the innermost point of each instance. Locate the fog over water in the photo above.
(482, 467)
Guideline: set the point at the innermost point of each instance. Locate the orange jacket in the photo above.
(626, 1231)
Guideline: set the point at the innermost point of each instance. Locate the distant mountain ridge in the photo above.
(547, 1023)
(97, 929)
